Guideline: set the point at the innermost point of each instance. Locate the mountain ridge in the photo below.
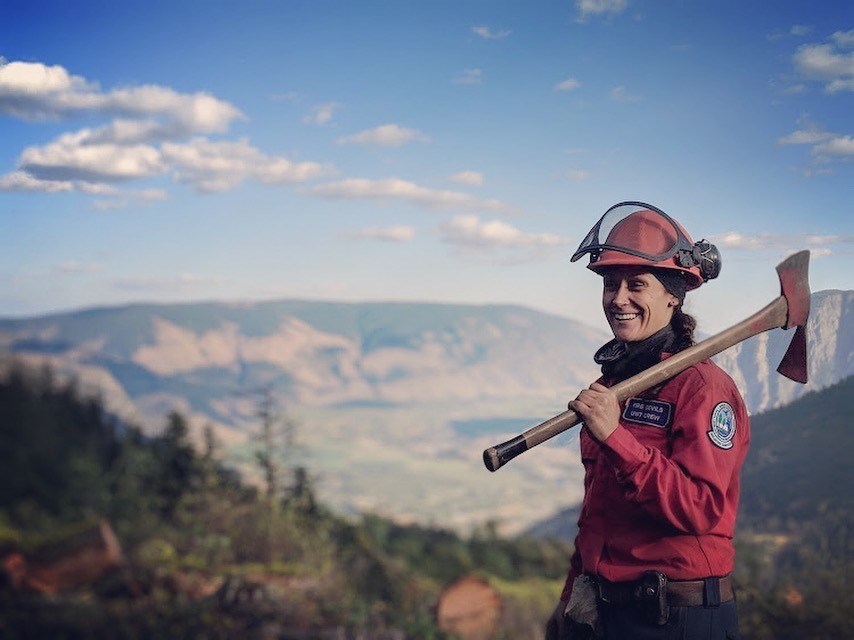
(382, 388)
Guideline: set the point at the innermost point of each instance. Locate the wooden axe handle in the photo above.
(772, 316)
(789, 310)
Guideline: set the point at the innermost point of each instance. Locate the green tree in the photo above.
(55, 448)
(179, 469)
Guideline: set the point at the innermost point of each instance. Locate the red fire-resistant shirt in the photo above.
(661, 492)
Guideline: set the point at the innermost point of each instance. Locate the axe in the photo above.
(790, 309)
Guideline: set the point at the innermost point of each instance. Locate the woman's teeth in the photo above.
(626, 316)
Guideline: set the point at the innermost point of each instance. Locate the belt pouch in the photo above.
(653, 597)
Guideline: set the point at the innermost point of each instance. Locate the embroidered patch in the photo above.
(654, 413)
(723, 425)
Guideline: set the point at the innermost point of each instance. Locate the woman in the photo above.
(654, 548)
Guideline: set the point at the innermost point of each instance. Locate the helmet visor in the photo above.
(637, 229)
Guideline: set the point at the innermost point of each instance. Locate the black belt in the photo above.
(680, 593)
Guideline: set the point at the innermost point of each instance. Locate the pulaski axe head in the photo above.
(795, 288)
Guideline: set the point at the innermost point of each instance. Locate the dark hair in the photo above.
(683, 328)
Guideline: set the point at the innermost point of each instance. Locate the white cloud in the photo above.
(394, 189)
(101, 189)
(735, 240)
(400, 233)
(113, 199)
(122, 131)
(218, 166)
(818, 240)
(840, 84)
(620, 94)
(322, 113)
(181, 283)
(469, 76)
(489, 34)
(828, 63)
(22, 182)
(32, 90)
(578, 175)
(77, 267)
(795, 89)
(838, 147)
(287, 96)
(114, 204)
(820, 253)
(89, 161)
(471, 234)
(387, 135)
(469, 178)
(826, 146)
(81, 156)
(567, 85)
(818, 244)
(844, 39)
(588, 8)
(150, 136)
(811, 135)
(797, 31)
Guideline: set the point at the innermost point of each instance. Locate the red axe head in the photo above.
(795, 288)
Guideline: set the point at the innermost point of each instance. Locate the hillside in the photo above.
(110, 534)
(107, 534)
(800, 458)
(378, 390)
(412, 391)
(316, 353)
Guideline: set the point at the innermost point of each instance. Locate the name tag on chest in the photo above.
(654, 413)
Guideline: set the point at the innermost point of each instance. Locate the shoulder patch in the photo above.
(723, 425)
(654, 413)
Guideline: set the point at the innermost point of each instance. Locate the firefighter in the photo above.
(654, 549)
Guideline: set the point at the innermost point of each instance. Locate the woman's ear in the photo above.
(673, 302)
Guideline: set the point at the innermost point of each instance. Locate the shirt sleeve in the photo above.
(689, 488)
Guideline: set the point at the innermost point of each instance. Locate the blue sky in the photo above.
(429, 151)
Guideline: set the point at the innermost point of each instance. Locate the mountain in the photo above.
(412, 392)
(830, 338)
(394, 402)
(317, 353)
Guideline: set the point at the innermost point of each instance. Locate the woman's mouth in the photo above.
(624, 317)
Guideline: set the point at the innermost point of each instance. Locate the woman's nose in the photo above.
(621, 295)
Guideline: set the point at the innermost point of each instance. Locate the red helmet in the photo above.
(638, 234)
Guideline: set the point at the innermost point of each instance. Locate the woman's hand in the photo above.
(600, 410)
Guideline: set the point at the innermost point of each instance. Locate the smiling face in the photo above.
(636, 304)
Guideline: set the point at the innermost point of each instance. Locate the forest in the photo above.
(186, 547)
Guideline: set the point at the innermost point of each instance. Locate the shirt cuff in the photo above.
(624, 452)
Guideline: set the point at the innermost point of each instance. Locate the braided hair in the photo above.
(683, 326)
